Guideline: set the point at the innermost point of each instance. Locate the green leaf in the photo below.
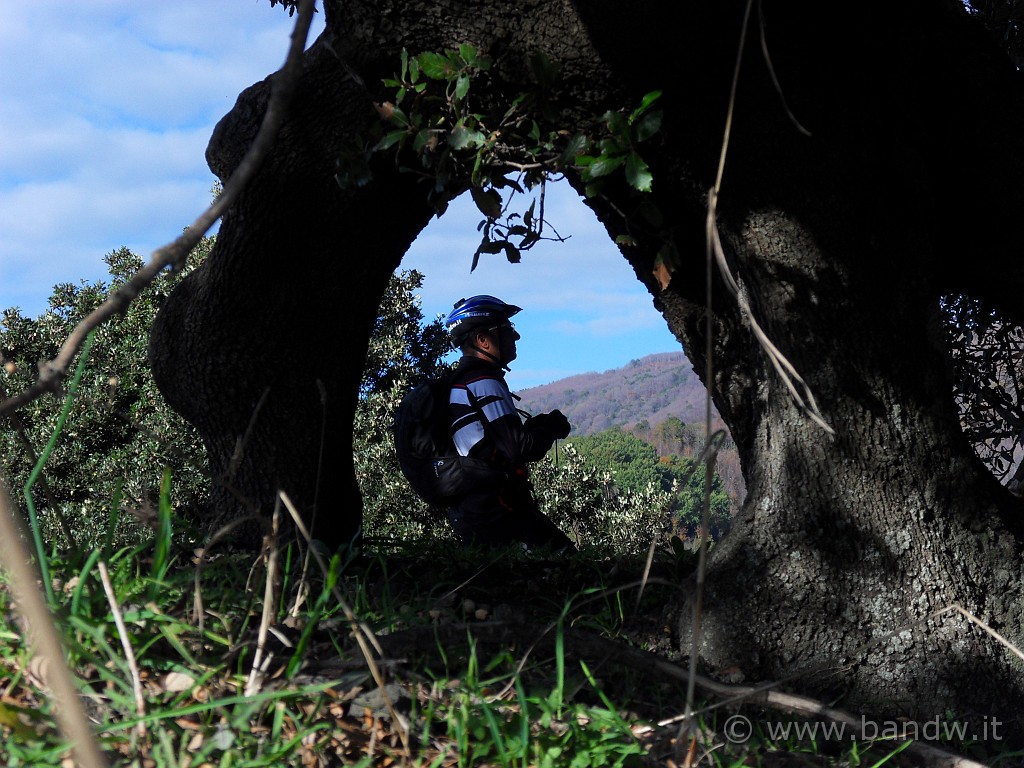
(528, 241)
(543, 69)
(435, 66)
(576, 146)
(648, 125)
(528, 216)
(468, 53)
(615, 145)
(462, 137)
(488, 202)
(511, 253)
(637, 173)
(389, 140)
(645, 104)
(405, 63)
(491, 247)
(627, 240)
(602, 166)
(651, 213)
(617, 124)
(486, 246)
(422, 139)
(9, 719)
(461, 87)
(500, 182)
(399, 117)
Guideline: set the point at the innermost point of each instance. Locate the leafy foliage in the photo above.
(636, 467)
(610, 495)
(987, 352)
(121, 434)
(436, 127)
(584, 501)
(403, 350)
(402, 347)
(1004, 20)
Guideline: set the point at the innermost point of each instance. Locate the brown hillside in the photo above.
(651, 388)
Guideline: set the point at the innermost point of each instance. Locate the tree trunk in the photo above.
(842, 242)
(262, 347)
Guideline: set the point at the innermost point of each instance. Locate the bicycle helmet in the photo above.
(477, 311)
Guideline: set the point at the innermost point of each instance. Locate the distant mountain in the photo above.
(651, 388)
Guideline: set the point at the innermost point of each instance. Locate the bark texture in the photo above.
(843, 241)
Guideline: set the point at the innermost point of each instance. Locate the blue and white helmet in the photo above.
(477, 311)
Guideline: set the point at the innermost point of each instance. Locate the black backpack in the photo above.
(423, 442)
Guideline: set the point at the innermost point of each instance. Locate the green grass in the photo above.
(236, 660)
(467, 703)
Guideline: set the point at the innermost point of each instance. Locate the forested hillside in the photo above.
(657, 398)
(650, 389)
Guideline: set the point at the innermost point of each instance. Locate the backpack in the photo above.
(426, 454)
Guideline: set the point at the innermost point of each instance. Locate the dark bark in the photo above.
(842, 242)
(282, 309)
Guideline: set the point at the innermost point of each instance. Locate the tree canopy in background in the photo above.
(987, 352)
(635, 466)
(120, 435)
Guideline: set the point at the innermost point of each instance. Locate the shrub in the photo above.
(120, 434)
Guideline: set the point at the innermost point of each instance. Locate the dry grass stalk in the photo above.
(43, 637)
(126, 645)
(255, 680)
(362, 633)
(198, 609)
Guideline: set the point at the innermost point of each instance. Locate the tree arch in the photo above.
(841, 241)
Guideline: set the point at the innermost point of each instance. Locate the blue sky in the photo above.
(106, 107)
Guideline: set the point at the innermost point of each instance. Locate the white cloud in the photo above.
(605, 325)
(107, 109)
